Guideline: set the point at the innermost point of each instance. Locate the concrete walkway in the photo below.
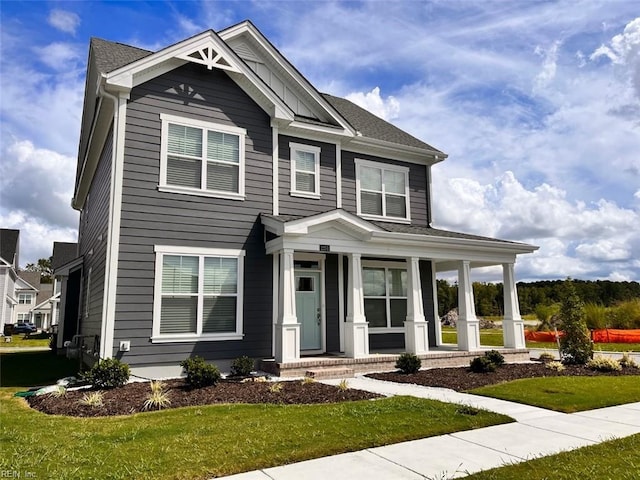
(536, 432)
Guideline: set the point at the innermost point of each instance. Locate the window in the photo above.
(383, 191)
(25, 299)
(23, 317)
(385, 296)
(198, 294)
(305, 170)
(201, 158)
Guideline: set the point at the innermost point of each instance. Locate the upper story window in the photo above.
(201, 158)
(25, 299)
(382, 191)
(305, 170)
(198, 294)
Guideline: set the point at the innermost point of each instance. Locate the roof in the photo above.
(372, 126)
(63, 252)
(9, 245)
(402, 228)
(45, 292)
(109, 56)
(32, 278)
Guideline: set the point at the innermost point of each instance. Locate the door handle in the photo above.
(319, 316)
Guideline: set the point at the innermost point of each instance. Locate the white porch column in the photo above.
(416, 335)
(356, 328)
(287, 335)
(468, 325)
(512, 324)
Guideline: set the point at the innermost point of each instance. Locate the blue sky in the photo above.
(537, 104)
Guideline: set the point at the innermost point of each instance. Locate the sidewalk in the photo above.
(536, 432)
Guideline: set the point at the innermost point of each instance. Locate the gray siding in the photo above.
(93, 243)
(150, 217)
(418, 186)
(292, 205)
(426, 281)
(332, 306)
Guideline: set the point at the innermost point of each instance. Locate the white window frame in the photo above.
(204, 126)
(25, 298)
(201, 253)
(300, 147)
(23, 317)
(387, 296)
(359, 163)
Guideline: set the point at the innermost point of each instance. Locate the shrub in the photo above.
(557, 366)
(158, 398)
(199, 373)
(626, 315)
(495, 357)
(546, 315)
(343, 386)
(575, 344)
(546, 357)
(482, 365)
(408, 363)
(604, 364)
(627, 361)
(595, 316)
(307, 380)
(92, 399)
(242, 366)
(108, 373)
(276, 387)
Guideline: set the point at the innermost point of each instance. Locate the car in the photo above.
(24, 328)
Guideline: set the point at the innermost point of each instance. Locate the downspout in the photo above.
(113, 230)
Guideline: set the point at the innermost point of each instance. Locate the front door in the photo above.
(308, 310)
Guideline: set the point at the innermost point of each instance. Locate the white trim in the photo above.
(387, 296)
(275, 277)
(434, 287)
(315, 151)
(338, 176)
(323, 304)
(275, 164)
(359, 163)
(113, 230)
(201, 253)
(205, 127)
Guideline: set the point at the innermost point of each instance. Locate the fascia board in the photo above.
(64, 270)
(380, 148)
(454, 243)
(303, 83)
(301, 226)
(272, 225)
(320, 129)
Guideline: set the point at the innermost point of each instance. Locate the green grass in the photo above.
(29, 369)
(493, 338)
(568, 394)
(34, 340)
(200, 442)
(616, 459)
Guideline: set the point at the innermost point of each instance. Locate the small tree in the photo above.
(575, 344)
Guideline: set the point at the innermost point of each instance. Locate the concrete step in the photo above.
(329, 372)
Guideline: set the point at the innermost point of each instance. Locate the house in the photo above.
(9, 255)
(66, 265)
(229, 208)
(26, 290)
(42, 314)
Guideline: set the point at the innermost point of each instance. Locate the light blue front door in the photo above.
(308, 310)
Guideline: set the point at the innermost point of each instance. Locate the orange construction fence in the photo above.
(605, 335)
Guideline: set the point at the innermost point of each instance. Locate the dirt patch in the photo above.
(463, 379)
(131, 398)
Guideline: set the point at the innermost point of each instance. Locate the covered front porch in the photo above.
(366, 291)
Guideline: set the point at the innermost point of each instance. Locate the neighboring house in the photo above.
(67, 270)
(42, 313)
(9, 257)
(27, 287)
(229, 208)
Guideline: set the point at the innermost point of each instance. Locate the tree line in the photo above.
(489, 297)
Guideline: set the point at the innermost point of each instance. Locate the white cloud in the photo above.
(387, 109)
(604, 250)
(59, 55)
(549, 65)
(64, 21)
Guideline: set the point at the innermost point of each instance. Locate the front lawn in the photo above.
(619, 459)
(22, 341)
(29, 369)
(201, 442)
(567, 394)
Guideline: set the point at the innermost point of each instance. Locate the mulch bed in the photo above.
(463, 379)
(131, 397)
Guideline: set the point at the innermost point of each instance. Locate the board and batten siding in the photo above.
(297, 205)
(150, 217)
(418, 186)
(94, 225)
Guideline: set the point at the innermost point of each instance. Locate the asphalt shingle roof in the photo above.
(9, 244)
(109, 56)
(63, 253)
